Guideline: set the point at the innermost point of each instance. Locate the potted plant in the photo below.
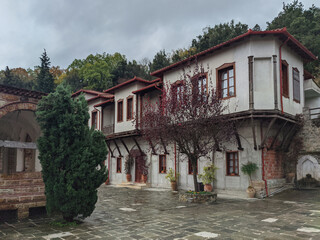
(208, 176)
(249, 169)
(127, 166)
(172, 177)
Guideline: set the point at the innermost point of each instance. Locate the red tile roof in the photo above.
(150, 87)
(86, 91)
(126, 83)
(282, 33)
(104, 103)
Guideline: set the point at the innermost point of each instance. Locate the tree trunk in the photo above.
(195, 180)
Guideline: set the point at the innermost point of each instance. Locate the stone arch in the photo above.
(308, 164)
(15, 106)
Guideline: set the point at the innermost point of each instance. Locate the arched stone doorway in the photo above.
(308, 165)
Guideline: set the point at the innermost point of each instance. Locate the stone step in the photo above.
(16, 198)
(23, 188)
(20, 182)
(132, 185)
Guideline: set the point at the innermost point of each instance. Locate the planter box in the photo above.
(209, 197)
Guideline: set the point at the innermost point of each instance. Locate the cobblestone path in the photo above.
(142, 214)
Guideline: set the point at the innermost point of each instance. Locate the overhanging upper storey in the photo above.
(282, 34)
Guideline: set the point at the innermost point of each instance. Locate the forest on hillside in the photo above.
(102, 71)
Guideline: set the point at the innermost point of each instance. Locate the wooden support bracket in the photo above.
(253, 134)
(125, 146)
(237, 137)
(120, 155)
(111, 152)
(276, 136)
(136, 142)
(266, 135)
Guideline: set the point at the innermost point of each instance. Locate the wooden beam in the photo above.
(136, 142)
(276, 136)
(237, 137)
(253, 134)
(108, 144)
(120, 155)
(164, 146)
(152, 147)
(284, 140)
(267, 133)
(287, 146)
(16, 144)
(125, 146)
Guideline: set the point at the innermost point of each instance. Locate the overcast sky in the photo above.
(70, 29)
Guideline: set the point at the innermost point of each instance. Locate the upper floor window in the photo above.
(296, 84)
(162, 164)
(285, 81)
(120, 111)
(94, 122)
(226, 80)
(232, 164)
(130, 108)
(202, 84)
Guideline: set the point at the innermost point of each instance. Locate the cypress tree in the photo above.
(45, 80)
(71, 154)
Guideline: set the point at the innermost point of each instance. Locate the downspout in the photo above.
(281, 83)
(108, 180)
(251, 96)
(262, 159)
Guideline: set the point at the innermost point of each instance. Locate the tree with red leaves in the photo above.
(189, 114)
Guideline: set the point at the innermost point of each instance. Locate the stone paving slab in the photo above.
(123, 213)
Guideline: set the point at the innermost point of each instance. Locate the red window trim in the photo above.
(118, 116)
(225, 66)
(94, 113)
(165, 163)
(227, 166)
(132, 114)
(286, 95)
(120, 165)
(295, 69)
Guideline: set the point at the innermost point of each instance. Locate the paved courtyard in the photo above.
(123, 213)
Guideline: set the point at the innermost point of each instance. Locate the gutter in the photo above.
(281, 83)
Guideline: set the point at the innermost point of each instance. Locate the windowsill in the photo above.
(228, 97)
(118, 172)
(232, 175)
(191, 174)
(162, 173)
(120, 121)
(297, 101)
(285, 96)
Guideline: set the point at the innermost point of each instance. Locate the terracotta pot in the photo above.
(128, 177)
(107, 182)
(208, 188)
(251, 192)
(174, 186)
(144, 178)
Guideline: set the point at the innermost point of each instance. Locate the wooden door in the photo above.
(138, 173)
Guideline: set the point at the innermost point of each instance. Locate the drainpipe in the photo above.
(280, 64)
(108, 181)
(275, 82)
(250, 68)
(262, 158)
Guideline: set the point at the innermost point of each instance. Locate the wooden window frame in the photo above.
(118, 112)
(294, 69)
(190, 167)
(94, 116)
(162, 167)
(200, 76)
(285, 82)
(227, 164)
(118, 165)
(219, 70)
(132, 113)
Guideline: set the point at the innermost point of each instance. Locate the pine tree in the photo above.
(71, 154)
(45, 80)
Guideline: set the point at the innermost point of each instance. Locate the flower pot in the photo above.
(128, 177)
(174, 186)
(144, 178)
(208, 188)
(251, 192)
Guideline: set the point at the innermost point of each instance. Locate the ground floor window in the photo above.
(191, 168)
(119, 165)
(162, 164)
(232, 163)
